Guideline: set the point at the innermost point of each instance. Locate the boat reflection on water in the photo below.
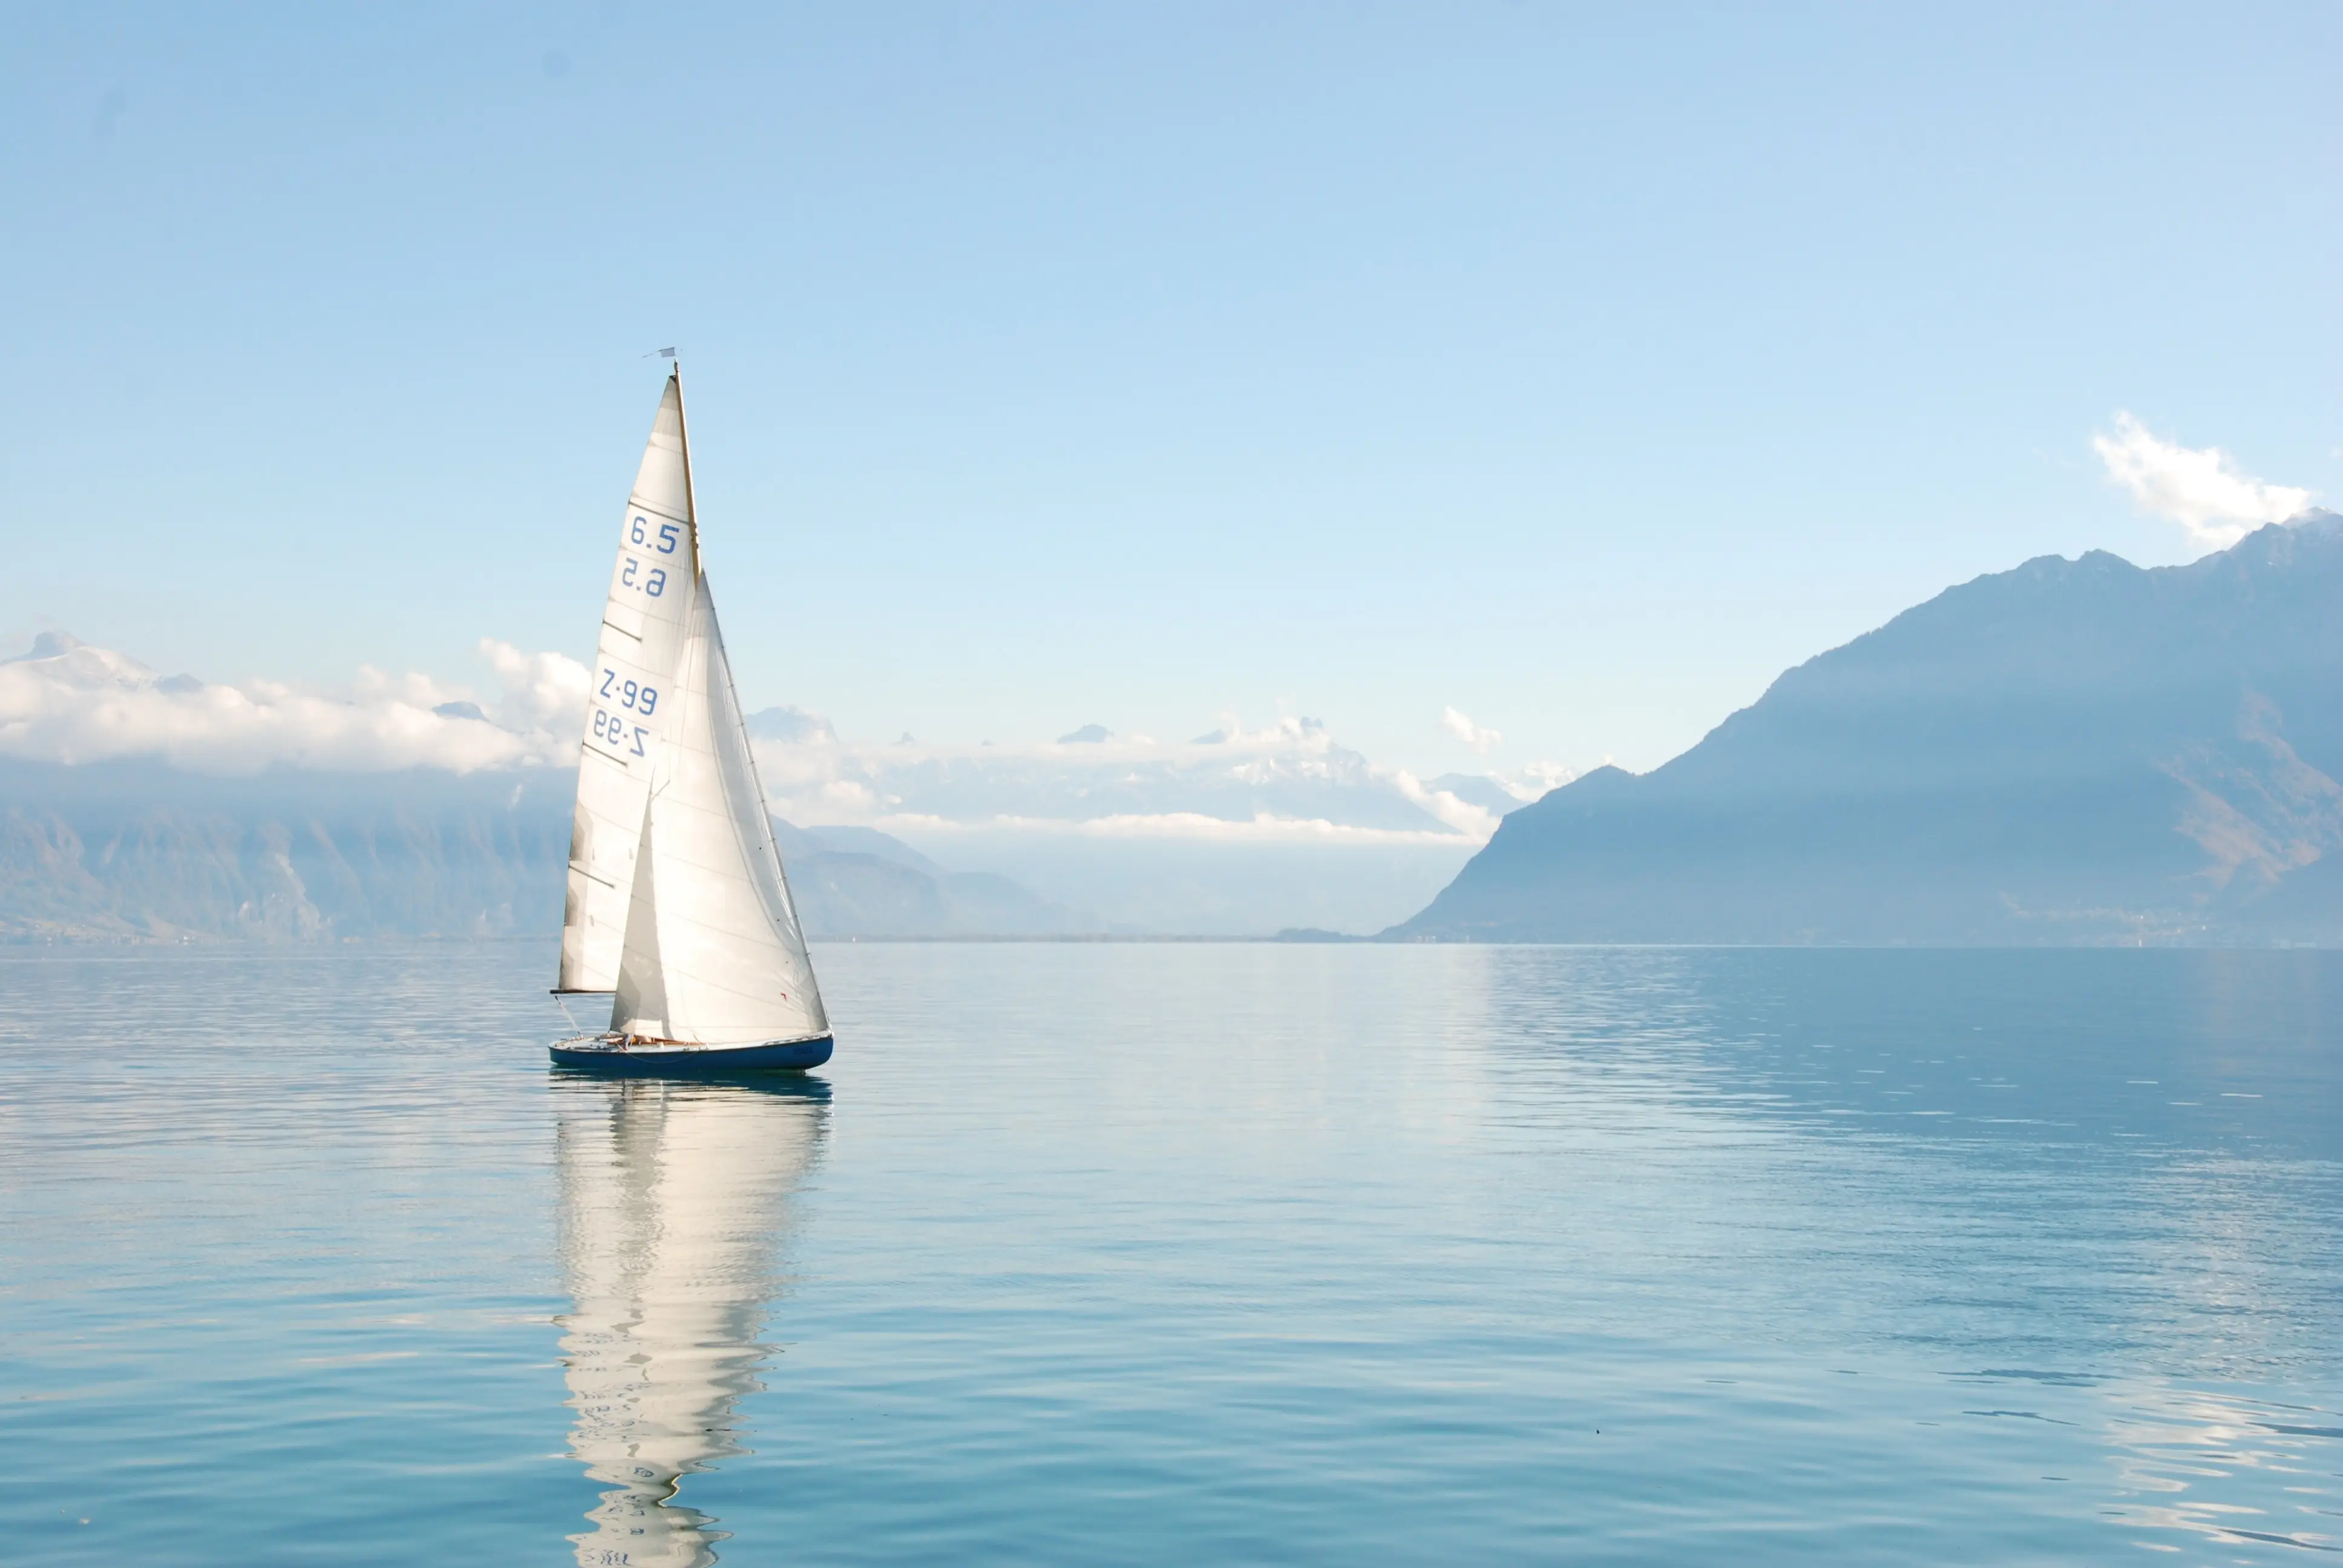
(675, 1198)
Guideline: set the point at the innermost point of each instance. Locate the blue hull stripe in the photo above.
(792, 1056)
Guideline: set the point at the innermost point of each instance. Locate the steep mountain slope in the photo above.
(2071, 751)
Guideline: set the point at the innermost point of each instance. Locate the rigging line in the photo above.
(683, 440)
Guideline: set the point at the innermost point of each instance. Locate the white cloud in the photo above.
(1478, 821)
(1290, 782)
(67, 702)
(1533, 782)
(1470, 733)
(2199, 487)
(542, 690)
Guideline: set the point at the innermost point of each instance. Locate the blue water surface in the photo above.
(1182, 1252)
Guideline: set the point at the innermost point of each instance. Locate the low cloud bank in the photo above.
(1290, 782)
(65, 701)
(2200, 488)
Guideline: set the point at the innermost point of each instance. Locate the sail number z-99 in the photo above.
(613, 730)
(643, 700)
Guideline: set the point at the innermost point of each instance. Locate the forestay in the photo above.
(631, 706)
(713, 954)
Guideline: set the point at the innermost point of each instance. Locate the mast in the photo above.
(683, 439)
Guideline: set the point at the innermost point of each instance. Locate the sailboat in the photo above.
(677, 902)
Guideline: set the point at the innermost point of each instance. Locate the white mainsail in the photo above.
(674, 1202)
(631, 705)
(713, 954)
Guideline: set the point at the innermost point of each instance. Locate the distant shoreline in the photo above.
(11, 945)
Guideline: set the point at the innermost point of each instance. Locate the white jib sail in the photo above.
(713, 954)
(630, 702)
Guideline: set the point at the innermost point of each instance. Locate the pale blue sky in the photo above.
(1577, 368)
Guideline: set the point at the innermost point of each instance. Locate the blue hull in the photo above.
(700, 1061)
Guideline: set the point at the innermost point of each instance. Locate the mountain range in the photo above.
(2073, 751)
(130, 850)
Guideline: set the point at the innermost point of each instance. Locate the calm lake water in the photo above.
(1170, 1252)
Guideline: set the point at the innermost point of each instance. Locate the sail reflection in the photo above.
(674, 1201)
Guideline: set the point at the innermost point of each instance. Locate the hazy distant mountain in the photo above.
(801, 843)
(2073, 751)
(859, 881)
(136, 851)
(1492, 795)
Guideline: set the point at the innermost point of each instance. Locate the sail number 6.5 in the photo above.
(654, 584)
(638, 533)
